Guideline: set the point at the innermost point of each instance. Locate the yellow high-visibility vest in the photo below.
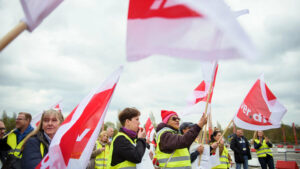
(124, 164)
(15, 148)
(224, 162)
(263, 150)
(101, 159)
(179, 159)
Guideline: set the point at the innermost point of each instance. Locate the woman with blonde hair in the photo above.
(36, 144)
(263, 146)
(102, 151)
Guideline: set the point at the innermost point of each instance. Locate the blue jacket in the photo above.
(32, 153)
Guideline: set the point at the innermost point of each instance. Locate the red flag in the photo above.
(36, 119)
(197, 101)
(148, 127)
(74, 141)
(205, 30)
(260, 110)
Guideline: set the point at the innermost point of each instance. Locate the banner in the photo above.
(194, 29)
(260, 109)
(74, 141)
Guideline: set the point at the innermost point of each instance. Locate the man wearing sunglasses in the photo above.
(172, 147)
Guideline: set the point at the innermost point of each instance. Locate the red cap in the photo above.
(166, 114)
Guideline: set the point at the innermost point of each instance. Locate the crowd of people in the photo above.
(24, 147)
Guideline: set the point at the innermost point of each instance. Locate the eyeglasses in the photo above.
(175, 118)
(19, 119)
(2, 128)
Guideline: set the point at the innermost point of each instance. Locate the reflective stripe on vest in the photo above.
(124, 164)
(224, 162)
(180, 158)
(263, 150)
(12, 142)
(101, 159)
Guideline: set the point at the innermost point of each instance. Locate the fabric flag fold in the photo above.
(74, 141)
(36, 119)
(149, 129)
(197, 100)
(194, 29)
(260, 110)
(36, 11)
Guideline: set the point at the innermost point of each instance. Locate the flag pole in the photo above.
(206, 106)
(225, 130)
(9, 133)
(10, 36)
(254, 136)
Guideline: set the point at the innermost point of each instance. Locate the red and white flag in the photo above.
(197, 100)
(36, 119)
(149, 129)
(36, 11)
(74, 141)
(195, 29)
(260, 109)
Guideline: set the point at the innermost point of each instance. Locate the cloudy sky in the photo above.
(82, 42)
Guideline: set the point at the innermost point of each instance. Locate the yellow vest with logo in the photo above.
(263, 150)
(12, 142)
(224, 162)
(124, 164)
(101, 159)
(179, 159)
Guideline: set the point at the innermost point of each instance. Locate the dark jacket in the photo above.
(237, 148)
(32, 154)
(123, 150)
(170, 141)
(12, 162)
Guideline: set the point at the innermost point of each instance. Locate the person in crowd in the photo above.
(129, 145)
(110, 133)
(102, 151)
(36, 144)
(172, 147)
(15, 140)
(241, 148)
(184, 128)
(3, 153)
(225, 159)
(262, 145)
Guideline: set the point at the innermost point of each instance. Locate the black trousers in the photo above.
(266, 161)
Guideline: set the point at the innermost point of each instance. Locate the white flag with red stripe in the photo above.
(197, 100)
(36, 11)
(74, 141)
(36, 119)
(195, 29)
(149, 129)
(260, 109)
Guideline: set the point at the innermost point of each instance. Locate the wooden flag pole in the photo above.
(206, 106)
(10, 36)
(225, 130)
(9, 133)
(254, 136)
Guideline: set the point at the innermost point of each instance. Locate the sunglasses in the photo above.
(2, 128)
(175, 118)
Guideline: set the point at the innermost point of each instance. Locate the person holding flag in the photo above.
(129, 145)
(172, 147)
(225, 158)
(262, 145)
(36, 144)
